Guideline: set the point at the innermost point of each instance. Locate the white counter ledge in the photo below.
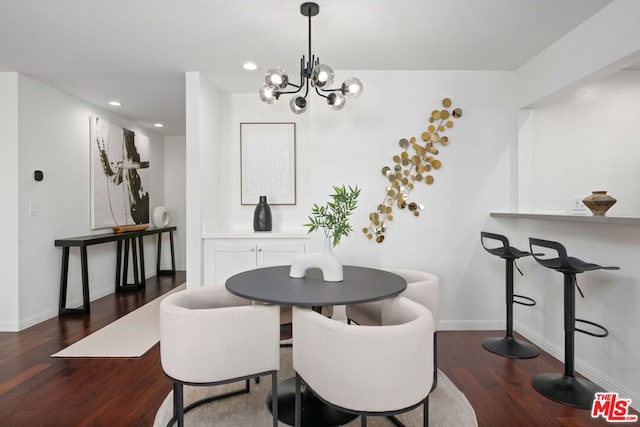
(569, 217)
(256, 235)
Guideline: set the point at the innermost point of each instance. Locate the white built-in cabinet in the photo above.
(225, 255)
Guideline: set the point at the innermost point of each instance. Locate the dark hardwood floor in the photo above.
(499, 388)
(37, 390)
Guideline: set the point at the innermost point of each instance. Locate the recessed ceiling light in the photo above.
(115, 103)
(251, 66)
(158, 125)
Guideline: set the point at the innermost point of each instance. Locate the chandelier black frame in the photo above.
(312, 73)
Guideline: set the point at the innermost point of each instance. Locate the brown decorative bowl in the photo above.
(599, 202)
(126, 228)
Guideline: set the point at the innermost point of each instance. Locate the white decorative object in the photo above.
(160, 217)
(326, 261)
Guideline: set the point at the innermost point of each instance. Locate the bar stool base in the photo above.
(510, 347)
(572, 391)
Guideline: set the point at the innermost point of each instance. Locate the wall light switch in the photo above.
(34, 209)
(577, 206)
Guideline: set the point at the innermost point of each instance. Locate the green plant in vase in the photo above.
(333, 218)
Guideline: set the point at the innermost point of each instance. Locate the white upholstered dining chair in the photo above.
(422, 287)
(211, 337)
(285, 310)
(353, 367)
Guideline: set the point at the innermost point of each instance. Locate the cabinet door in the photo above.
(278, 252)
(226, 259)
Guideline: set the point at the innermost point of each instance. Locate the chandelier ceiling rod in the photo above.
(311, 73)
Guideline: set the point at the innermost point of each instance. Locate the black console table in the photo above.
(128, 240)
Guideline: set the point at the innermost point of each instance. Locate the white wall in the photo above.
(175, 183)
(233, 217)
(54, 137)
(207, 125)
(351, 146)
(192, 191)
(590, 139)
(214, 107)
(9, 197)
(604, 43)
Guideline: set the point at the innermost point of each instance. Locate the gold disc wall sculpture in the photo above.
(413, 166)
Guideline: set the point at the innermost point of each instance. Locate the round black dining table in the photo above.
(273, 285)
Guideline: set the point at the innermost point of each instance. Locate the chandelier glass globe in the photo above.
(322, 76)
(268, 94)
(298, 104)
(352, 87)
(276, 77)
(336, 101)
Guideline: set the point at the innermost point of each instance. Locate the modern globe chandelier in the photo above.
(312, 73)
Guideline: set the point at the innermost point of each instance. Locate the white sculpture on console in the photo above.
(160, 217)
(326, 261)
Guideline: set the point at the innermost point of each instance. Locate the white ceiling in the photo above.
(137, 51)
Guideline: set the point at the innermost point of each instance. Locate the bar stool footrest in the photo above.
(602, 334)
(572, 391)
(510, 347)
(529, 302)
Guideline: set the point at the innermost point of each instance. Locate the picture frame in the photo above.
(119, 175)
(268, 162)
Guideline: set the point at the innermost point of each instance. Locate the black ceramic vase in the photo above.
(262, 215)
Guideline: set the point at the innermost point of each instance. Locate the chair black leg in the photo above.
(178, 408)
(363, 421)
(395, 421)
(298, 410)
(274, 400)
(425, 412)
(435, 361)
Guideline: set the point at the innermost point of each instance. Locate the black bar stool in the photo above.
(566, 388)
(508, 346)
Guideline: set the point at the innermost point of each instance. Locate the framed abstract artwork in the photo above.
(119, 175)
(268, 163)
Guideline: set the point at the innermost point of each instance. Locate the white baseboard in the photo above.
(584, 369)
(37, 318)
(471, 325)
(53, 312)
(21, 324)
(8, 326)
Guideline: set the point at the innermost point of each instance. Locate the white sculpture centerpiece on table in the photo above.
(333, 218)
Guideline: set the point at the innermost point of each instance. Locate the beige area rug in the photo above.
(130, 336)
(448, 406)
